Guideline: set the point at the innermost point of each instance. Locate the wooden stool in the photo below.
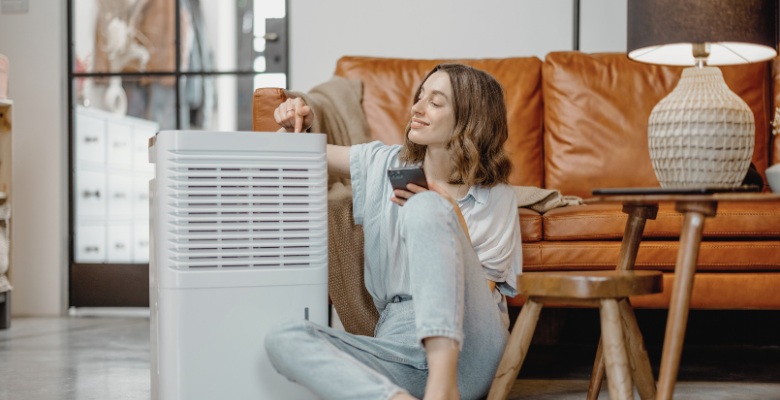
(607, 290)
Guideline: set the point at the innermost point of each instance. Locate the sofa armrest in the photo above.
(264, 103)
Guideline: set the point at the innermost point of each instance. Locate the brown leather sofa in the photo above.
(578, 122)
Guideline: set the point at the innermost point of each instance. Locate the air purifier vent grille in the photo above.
(239, 212)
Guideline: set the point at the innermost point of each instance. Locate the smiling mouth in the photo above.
(416, 123)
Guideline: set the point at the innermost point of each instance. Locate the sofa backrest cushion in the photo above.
(596, 108)
(389, 85)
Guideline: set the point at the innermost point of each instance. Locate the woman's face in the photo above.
(433, 113)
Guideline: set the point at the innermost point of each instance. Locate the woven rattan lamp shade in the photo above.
(701, 134)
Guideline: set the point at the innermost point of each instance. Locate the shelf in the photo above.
(5, 115)
(6, 127)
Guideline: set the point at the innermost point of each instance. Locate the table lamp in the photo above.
(702, 133)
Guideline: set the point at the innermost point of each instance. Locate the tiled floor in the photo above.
(108, 358)
(75, 358)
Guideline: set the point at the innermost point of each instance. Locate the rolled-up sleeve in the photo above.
(367, 165)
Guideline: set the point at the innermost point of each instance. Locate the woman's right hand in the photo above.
(294, 115)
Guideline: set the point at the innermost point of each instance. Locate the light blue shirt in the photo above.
(490, 213)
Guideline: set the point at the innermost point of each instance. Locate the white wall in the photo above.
(219, 15)
(603, 25)
(320, 32)
(36, 47)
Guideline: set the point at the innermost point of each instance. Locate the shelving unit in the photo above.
(110, 206)
(111, 195)
(6, 127)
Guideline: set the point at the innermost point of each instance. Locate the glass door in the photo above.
(137, 67)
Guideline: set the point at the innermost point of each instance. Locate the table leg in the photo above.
(615, 358)
(516, 350)
(632, 235)
(684, 270)
(638, 214)
(641, 370)
(597, 376)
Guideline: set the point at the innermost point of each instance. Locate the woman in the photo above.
(438, 262)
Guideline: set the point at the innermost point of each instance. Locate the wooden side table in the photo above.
(695, 209)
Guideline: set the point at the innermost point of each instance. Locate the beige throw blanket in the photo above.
(337, 105)
(346, 285)
(543, 200)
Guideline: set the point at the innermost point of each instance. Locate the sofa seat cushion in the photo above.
(596, 109)
(389, 84)
(530, 225)
(714, 255)
(759, 220)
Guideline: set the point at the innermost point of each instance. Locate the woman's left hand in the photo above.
(400, 197)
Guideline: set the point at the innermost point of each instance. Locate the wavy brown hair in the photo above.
(477, 142)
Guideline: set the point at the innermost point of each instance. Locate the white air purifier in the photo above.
(238, 244)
